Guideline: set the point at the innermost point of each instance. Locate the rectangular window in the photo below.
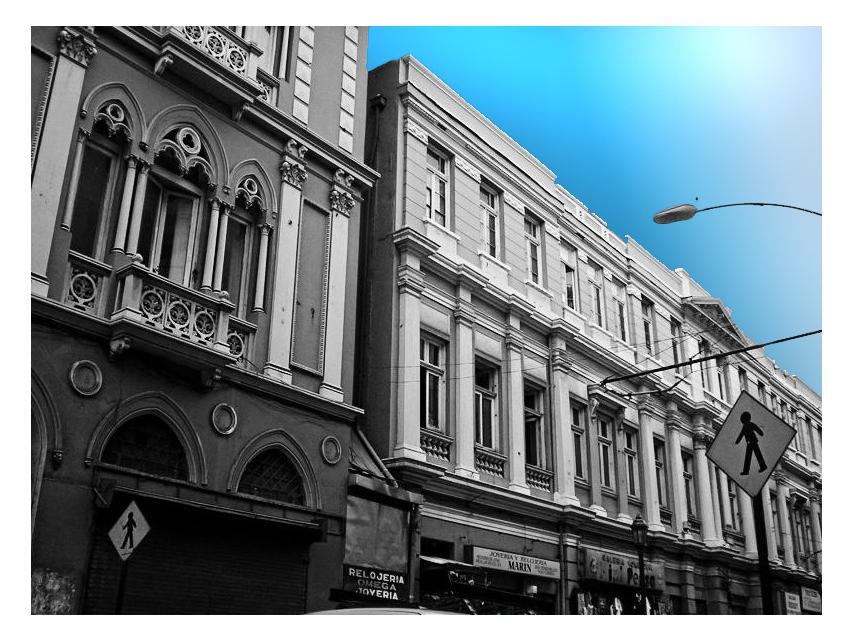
(595, 276)
(578, 429)
(605, 450)
(648, 326)
(703, 351)
(485, 405)
(761, 393)
(490, 222)
(570, 287)
(675, 331)
(733, 505)
(631, 461)
(810, 434)
(436, 187)
(660, 464)
(91, 205)
(532, 232)
(168, 231)
(743, 380)
(722, 378)
(689, 483)
(776, 525)
(431, 384)
(618, 299)
(235, 267)
(534, 439)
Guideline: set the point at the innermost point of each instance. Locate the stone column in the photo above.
(513, 369)
(679, 515)
(816, 530)
(210, 250)
(262, 254)
(293, 175)
(132, 246)
(57, 131)
(465, 437)
(717, 508)
(621, 469)
(727, 518)
(771, 544)
(342, 203)
(634, 316)
(219, 265)
(700, 441)
(124, 209)
(690, 350)
(563, 437)
(747, 519)
(595, 459)
(74, 182)
(649, 469)
(410, 286)
(783, 494)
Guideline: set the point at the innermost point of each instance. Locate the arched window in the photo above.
(239, 266)
(172, 230)
(95, 192)
(148, 445)
(272, 475)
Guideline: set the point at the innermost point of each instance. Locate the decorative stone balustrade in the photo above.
(435, 444)
(219, 45)
(539, 478)
(240, 341)
(489, 461)
(85, 283)
(153, 300)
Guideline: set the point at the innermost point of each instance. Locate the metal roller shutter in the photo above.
(195, 561)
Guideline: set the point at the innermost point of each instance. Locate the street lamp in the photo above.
(639, 528)
(685, 212)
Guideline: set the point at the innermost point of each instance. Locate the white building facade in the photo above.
(496, 306)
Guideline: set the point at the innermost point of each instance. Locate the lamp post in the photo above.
(639, 528)
(685, 212)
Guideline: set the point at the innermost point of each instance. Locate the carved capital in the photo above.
(56, 457)
(417, 131)
(295, 150)
(293, 172)
(342, 201)
(76, 47)
(265, 229)
(701, 440)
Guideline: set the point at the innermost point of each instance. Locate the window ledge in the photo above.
(443, 229)
(485, 256)
(609, 492)
(538, 287)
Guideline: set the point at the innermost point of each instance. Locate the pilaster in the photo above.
(563, 442)
(293, 175)
(649, 469)
(464, 316)
(513, 369)
(701, 439)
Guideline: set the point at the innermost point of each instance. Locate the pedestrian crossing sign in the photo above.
(750, 444)
(129, 531)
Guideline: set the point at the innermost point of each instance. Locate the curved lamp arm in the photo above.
(685, 212)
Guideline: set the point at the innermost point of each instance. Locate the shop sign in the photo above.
(377, 583)
(617, 568)
(514, 563)
(794, 606)
(811, 600)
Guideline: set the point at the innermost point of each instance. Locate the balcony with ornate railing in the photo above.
(489, 461)
(539, 478)
(85, 284)
(223, 46)
(435, 444)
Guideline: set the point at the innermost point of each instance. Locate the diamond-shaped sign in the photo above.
(750, 443)
(129, 531)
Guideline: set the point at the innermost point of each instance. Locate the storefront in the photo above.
(490, 582)
(609, 585)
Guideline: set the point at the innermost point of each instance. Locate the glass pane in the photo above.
(578, 455)
(94, 176)
(486, 423)
(531, 439)
(423, 397)
(150, 210)
(433, 399)
(176, 226)
(232, 266)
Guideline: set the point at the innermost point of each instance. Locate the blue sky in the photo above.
(633, 120)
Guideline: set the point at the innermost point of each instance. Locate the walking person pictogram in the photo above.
(750, 432)
(128, 527)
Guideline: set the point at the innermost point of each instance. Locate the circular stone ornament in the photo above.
(331, 450)
(86, 378)
(224, 419)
